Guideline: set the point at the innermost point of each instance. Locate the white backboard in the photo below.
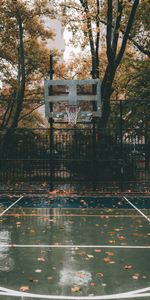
(83, 93)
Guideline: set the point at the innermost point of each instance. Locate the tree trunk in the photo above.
(14, 113)
(21, 77)
(114, 58)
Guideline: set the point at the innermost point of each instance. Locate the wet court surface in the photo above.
(77, 247)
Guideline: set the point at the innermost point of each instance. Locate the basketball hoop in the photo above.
(72, 112)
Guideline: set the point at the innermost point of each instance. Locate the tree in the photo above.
(23, 54)
(94, 22)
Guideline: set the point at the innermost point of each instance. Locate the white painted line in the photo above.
(74, 246)
(140, 293)
(137, 209)
(3, 212)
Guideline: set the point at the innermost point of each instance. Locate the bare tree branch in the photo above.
(127, 31)
(130, 38)
(97, 37)
(30, 112)
(109, 31)
(117, 25)
(91, 39)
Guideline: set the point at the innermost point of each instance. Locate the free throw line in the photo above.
(75, 246)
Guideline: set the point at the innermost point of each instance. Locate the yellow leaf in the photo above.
(75, 289)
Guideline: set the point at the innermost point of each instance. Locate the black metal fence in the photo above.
(90, 158)
(77, 155)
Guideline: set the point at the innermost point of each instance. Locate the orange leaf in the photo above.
(106, 259)
(75, 289)
(24, 288)
(121, 237)
(110, 253)
(41, 259)
(92, 283)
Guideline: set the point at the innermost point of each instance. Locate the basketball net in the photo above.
(72, 112)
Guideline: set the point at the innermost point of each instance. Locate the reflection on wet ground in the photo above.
(52, 248)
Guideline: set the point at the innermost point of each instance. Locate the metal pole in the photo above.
(51, 72)
(94, 107)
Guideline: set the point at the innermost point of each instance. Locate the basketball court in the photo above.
(74, 247)
(68, 246)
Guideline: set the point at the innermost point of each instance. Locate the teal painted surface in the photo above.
(96, 271)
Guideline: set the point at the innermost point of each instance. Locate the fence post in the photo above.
(94, 153)
(121, 150)
(146, 149)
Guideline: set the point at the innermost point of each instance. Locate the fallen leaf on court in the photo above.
(136, 276)
(111, 242)
(38, 271)
(121, 237)
(50, 278)
(100, 274)
(128, 267)
(97, 250)
(41, 259)
(109, 253)
(90, 256)
(82, 253)
(33, 280)
(92, 284)
(32, 231)
(18, 223)
(106, 259)
(112, 233)
(24, 288)
(53, 192)
(104, 284)
(75, 289)
(82, 275)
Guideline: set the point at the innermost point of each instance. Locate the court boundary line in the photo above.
(71, 215)
(125, 198)
(74, 246)
(125, 295)
(3, 212)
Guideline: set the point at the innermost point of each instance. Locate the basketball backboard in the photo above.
(85, 94)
